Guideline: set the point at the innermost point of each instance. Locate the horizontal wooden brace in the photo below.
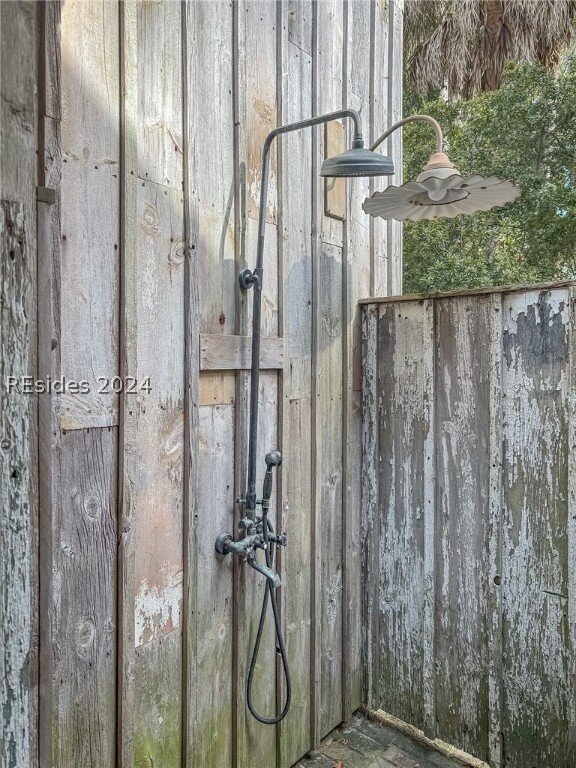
(225, 352)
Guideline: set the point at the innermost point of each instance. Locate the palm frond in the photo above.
(465, 45)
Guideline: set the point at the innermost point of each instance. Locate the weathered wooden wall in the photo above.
(18, 411)
(470, 501)
(151, 121)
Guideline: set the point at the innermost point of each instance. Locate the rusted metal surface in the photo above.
(481, 552)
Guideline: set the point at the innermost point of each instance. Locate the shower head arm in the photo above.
(254, 279)
(248, 278)
(412, 118)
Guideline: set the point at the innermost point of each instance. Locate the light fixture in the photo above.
(257, 529)
(440, 191)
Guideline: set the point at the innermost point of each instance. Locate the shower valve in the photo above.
(244, 548)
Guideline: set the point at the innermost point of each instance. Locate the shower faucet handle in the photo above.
(273, 459)
(279, 539)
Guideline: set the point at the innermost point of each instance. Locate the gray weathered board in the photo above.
(470, 502)
(151, 119)
(18, 412)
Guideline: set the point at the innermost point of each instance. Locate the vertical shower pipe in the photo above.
(248, 278)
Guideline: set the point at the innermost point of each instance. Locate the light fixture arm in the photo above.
(253, 279)
(412, 118)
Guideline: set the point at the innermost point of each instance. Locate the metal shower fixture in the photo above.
(440, 191)
(357, 162)
(257, 529)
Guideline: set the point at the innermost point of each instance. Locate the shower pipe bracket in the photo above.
(248, 279)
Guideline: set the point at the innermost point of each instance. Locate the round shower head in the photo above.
(357, 162)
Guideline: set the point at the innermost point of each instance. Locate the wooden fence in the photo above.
(148, 119)
(469, 488)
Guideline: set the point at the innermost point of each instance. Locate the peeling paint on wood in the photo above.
(404, 408)
(157, 609)
(536, 635)
(499, 671)
(17, 288)
(461, 522)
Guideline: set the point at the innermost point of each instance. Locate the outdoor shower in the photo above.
(257, 529)
(440, 190)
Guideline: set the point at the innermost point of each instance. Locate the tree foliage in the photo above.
(524, 132)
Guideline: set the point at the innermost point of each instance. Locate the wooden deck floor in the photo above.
(362, 743)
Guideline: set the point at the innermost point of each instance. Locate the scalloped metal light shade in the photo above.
(440, 198)
(357, 162)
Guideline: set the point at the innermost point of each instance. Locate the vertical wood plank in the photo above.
(86, 584)
(370, 505)
(90, 191)
(316, 443)
(404, 420)
(128, 417)
(331, 484)
(49, 242)
(257, 114)
(356, 284)
(213, 745)
(18, 413)
(159, 495)
(191, 401)
(462, 538)
(429, 545)
(328, 96)
(210, 189)
(84, 554)
(571, 414)
(536, 631)
(294, 205)
(242, 311)
(158, 503)
(191, 420)
(327, 394)
(394, 113)
(212, 172)
(495, 536)
(17, 290)
(160, 92)
(383, 257)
